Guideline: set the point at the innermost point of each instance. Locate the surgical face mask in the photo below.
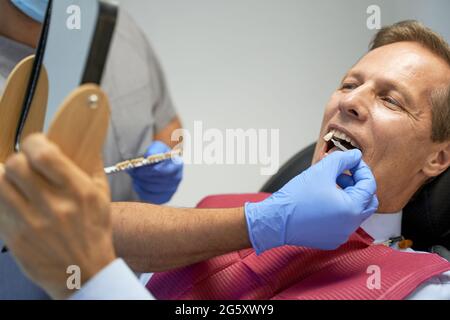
(35, 9)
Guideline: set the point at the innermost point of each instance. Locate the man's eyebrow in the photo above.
(353, 73)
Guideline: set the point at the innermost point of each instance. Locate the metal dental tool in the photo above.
(329, 137)
(141, 162)
(339, 145)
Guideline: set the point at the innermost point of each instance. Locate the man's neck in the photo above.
(17, 26)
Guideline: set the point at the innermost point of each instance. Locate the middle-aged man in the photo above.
(393, 105)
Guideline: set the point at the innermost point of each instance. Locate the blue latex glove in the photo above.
(157, 183)
(311, 210)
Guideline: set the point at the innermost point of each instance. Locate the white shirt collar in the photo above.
(381, 227)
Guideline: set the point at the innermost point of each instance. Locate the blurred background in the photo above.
(261, 64)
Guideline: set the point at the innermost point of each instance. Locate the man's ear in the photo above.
(439, 161)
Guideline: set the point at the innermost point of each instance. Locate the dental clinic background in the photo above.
(269, 64)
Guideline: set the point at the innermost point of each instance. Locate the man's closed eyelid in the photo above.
(348, 85)
(392, 101)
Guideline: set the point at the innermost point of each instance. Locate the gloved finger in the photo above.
(156, 147)
(371, 208)
(359, 198)
(364, 178)
(339, 161)
(345, 181)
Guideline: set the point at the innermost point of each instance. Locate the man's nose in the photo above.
(355, 104)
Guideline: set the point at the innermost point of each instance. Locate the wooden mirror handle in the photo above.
(80, 127)
(11, 104)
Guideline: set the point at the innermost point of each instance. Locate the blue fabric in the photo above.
(14, 285)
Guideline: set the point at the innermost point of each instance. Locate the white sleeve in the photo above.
(114, 282)
(436, 288)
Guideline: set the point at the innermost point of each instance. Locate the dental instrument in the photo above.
(141, 162)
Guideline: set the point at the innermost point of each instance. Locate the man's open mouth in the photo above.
(339, 140)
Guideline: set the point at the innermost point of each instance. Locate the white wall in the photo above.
(260, 64)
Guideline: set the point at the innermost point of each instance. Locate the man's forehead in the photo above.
(404, 66)
(408, 60)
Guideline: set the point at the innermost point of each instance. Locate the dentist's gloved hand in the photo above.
(311, 210)
(157, 183)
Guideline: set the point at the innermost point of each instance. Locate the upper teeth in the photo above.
(338, 134)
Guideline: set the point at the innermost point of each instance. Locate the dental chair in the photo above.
(426, 218)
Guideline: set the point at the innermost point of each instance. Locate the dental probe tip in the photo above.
(339, 145)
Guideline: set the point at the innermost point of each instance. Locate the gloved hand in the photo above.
(311, 210)
(157, 183)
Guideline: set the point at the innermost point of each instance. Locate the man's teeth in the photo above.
(329, 136)
(340, 135)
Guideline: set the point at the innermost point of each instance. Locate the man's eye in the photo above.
(349, 86)
(391, 101)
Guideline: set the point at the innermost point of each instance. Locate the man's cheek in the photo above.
(390, 162)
